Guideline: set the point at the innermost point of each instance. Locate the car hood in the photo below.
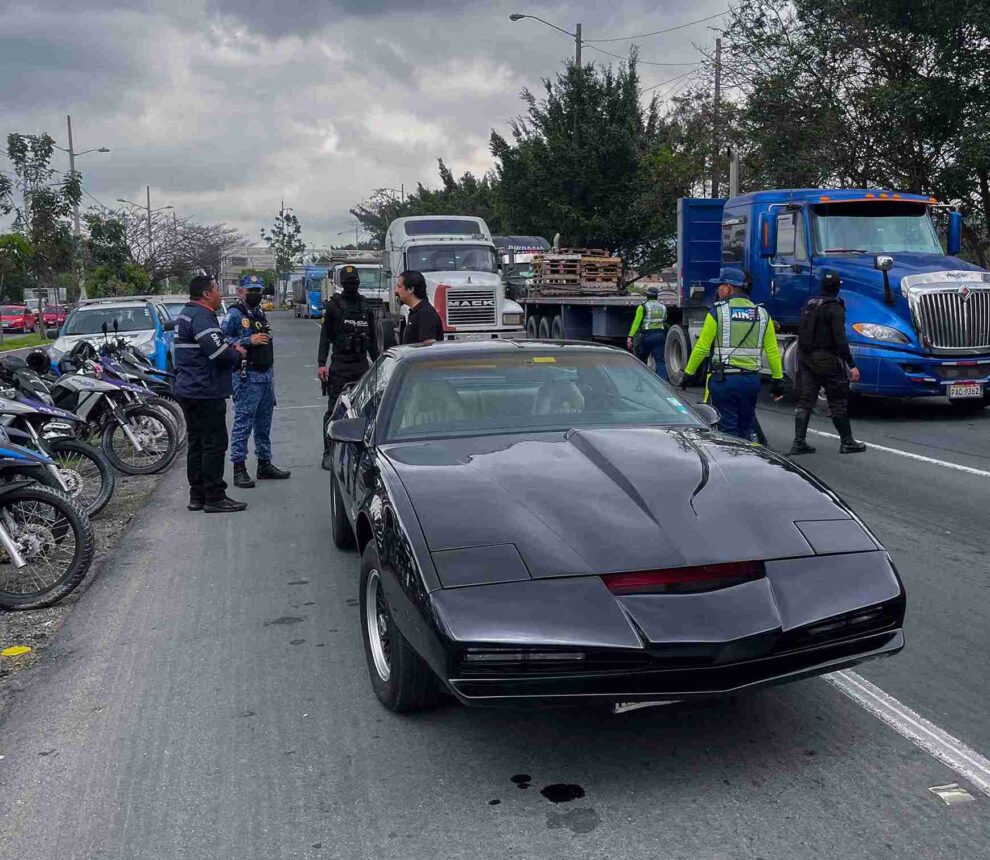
(143, 340)
(606, 500)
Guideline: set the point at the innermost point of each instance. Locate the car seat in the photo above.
(558, 397)
(434, 402)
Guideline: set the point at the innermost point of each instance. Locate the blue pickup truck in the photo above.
(918, 319)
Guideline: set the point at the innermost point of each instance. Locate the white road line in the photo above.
(307, 406)
(940, 744)
(944, 463)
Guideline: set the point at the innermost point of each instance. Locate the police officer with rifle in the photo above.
(254, 385)
(348, 338)
(823, 356)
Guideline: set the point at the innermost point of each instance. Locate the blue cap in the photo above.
(733, 276)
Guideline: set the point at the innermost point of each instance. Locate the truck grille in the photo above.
(471, 308)
(956, 320)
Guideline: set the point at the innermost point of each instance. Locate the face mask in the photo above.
(252, 300)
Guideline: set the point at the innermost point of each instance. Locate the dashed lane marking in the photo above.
(933, 740)
(945, 464)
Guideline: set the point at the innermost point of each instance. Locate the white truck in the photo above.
(457, 257)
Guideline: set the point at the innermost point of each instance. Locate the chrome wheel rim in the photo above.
(379, 626)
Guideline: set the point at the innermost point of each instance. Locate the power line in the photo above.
(658, 32)
(668, 81)
(638, 61)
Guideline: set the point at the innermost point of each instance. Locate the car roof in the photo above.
(111, 305)
(427, 352)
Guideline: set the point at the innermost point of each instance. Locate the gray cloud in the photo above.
(226, 107)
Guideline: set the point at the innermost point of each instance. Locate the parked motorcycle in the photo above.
(46, 541)
(81, 471)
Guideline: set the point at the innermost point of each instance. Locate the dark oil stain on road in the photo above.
(246, 714)
(285, 619)
(577, 820)
(352, 601)
(299, 582)
(522, 780)
(297, 641)
(562, 792)
(494, 802)
(46, 753)
(310, 603)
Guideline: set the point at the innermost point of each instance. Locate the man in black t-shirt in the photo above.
(423, 325)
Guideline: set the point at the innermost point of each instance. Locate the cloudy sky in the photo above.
(224, 107)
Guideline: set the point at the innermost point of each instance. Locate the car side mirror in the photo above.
(883, 263)
(707, 413)
(350, 430)
(104, 327)
(116, 326)
(51, 333)
(168, 325)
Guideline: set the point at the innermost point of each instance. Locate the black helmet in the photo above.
(349, 277)
(652, 293)
(39, 361)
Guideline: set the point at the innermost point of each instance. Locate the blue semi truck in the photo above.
(309, 289)
(918, 319)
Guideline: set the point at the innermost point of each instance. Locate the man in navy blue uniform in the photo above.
(204, 362)
(254, 386)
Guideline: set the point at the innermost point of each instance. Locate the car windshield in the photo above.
(451, 258)
(90, 320)
(13, 309)
(527, 391)
(873, 228)
(51, 309)
(174, 308)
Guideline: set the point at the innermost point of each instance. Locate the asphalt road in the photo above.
(208, 698)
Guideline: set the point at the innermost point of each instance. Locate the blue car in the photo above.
(143, 321)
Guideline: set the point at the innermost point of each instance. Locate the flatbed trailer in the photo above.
(605, 319)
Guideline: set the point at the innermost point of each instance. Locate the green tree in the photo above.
(46, 202)
(15, 258)
(129, 279)
(286, 244)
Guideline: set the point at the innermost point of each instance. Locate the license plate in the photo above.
(478, 336)
(966, 389)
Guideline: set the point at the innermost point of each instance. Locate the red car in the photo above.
(17, 318)
(55, 316)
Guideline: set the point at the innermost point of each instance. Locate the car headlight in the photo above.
(512, 319)
(880, 332)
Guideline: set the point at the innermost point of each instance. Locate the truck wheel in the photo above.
(533, 327)
(544, 330)
(557, 328)
(676, 352)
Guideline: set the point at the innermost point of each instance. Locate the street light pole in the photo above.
(577, 45)
(149, 211)
(576, 35)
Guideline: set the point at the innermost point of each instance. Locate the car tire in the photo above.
(557, 328)
(340, 526)
(544, 330)
(533, 327)
(401, 679)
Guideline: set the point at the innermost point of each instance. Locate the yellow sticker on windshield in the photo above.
(545, 359)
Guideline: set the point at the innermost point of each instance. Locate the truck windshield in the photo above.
(873, 228)
(451, 258)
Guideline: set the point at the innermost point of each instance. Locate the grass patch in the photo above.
(22, 341)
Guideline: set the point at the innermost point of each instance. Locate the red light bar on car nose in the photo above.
(705, 577)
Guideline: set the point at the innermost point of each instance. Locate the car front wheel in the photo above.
(399, 676)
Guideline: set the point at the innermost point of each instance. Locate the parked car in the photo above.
(18, 318)
(142, 321)
(54, 316)
(545, 522)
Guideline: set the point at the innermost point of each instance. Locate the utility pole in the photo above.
(716, 132)
(577, 46)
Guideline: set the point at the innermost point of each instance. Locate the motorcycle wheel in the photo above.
(88, 472)
(56, 540)
(167, 404)
(154, 431)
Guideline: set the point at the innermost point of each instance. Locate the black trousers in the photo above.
(818, 369)
(206, 421)
(341, 373)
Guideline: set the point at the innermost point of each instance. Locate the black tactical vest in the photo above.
(255, 322)
(353, 333)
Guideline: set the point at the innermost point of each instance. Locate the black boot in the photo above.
(848, 445)
(241, 477)
(268, 471)
(226, 505)
(195, 503)
(801, 446)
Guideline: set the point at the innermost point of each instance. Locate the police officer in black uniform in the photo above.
(823, 356)
(348, 338)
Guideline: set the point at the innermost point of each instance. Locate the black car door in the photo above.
(364, 468)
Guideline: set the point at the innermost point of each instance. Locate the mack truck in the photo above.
(918, 319)
(457, 257)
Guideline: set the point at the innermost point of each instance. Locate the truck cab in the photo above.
(515, 261)
(918, 319)
(371, 284)
(457, 257)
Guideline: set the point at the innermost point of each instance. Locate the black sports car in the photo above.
(550, 523)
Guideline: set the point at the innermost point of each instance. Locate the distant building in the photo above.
(235, 261)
